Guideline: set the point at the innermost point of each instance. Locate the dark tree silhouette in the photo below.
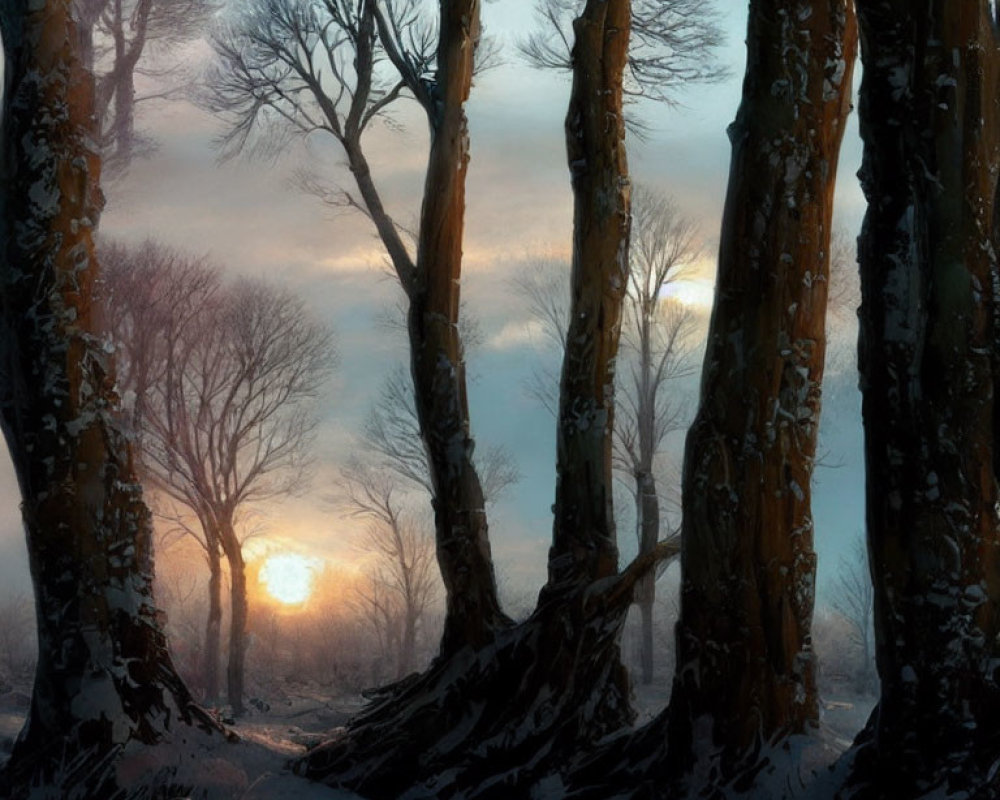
(655, 351)
(104, 677)
(490, 719)
(930, 120)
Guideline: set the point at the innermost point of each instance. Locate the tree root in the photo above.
(492, 721)
(82, 764)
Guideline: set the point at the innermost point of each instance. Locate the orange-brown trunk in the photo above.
(745, 664)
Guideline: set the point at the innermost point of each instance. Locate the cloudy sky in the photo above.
(250, 219)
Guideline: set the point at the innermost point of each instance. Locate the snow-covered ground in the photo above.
(272, 734)
(252, 769)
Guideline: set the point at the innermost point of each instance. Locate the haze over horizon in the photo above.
(248, 217)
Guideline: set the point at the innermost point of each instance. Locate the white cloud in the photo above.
(517, 333)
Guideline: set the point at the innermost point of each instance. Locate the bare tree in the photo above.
(543, 286)
(104, 678)
(672, 44)
(311, 68)
(392, 435)
(539, 663)
(223, 399)
(656, 337)
(379, 610)
(120, 39)
(292, 68)
(655, 353)
(853, 598)
(405, 579)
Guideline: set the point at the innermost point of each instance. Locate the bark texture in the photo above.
(928, 355)
(745, 665)
(493, 720)
(490, 722)
(104, 677)
(437, 362)
(583, 541)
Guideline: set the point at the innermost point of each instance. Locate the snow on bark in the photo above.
(928, 355)
(489, 722)
(745, 666)
(500, 718)
(584, 542)
(437, 361)
(104, 677)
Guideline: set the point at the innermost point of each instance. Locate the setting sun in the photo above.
(288, 578)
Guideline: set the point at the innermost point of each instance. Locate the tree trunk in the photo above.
(583, 537)
(648, 510)
(104, 677)
(745, 666)
(472, 614)
(236, 670)
(408, 644)
(928, 354)
(213, 626)
(437, 362)
(118, 135)
(584, 544)
(491, 720)
(238, 615)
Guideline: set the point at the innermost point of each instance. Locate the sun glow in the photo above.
(288, 578)
(698, 292)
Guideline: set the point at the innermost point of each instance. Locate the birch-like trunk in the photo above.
(104, 677)
(928, 354)
(745, 665)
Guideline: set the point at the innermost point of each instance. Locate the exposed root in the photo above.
(82, 762)
(493, 721)
(912, 764)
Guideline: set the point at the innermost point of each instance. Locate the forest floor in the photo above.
(286, 726)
